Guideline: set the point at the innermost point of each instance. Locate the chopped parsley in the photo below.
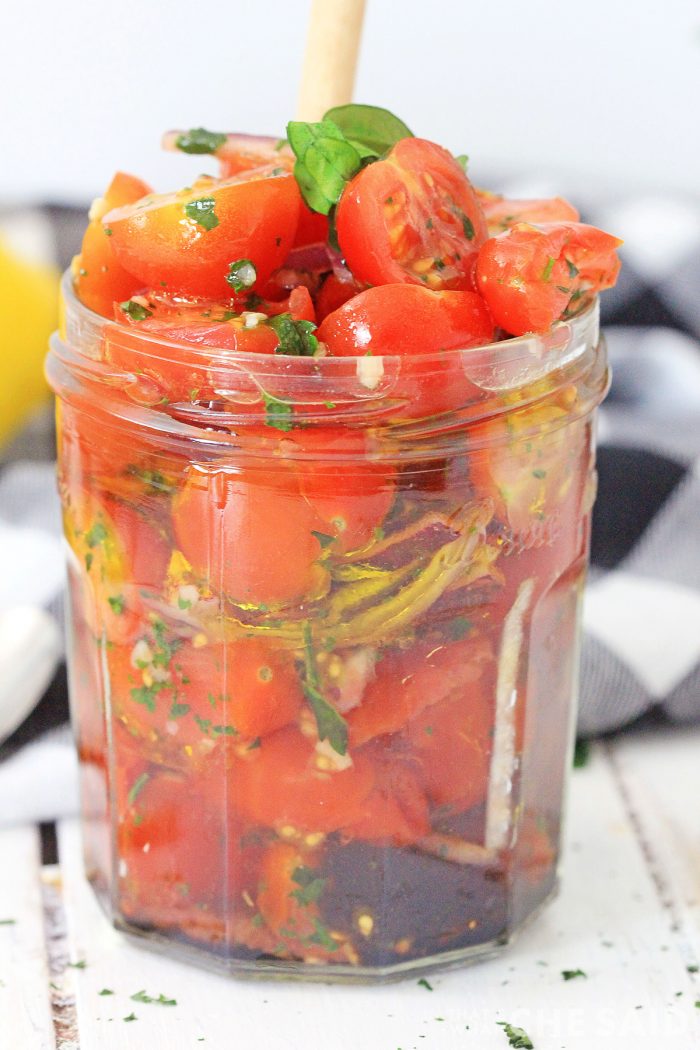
(425, 984)
(96, 535)
(539, 474)
(199, 141)
(547, 272)
(178, 710)
(573, 270)
(202, 212)
(296, 338)
(569, 975)
(517, 1037)
(254, 744)
(137, 787)
(323, 538)
(241, 275)
(116, 603)
(8, 922)
(136, 311)
(80, 964)
(162, 1000)
(309, 883)
(330, 723)
(468, 227)
(131, 1017)
(693, 968)
(582, 753)
(278, 414)
(322, 936)
(106, 991)
(463, 160)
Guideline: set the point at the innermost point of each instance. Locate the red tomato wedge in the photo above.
(413, 217)
(186, 241)
(250, 535)
(503, 212)
(530, 275)
(280, 784)
(407, 320)
(100, 279)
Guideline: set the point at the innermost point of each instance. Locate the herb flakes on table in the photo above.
(517, 1037)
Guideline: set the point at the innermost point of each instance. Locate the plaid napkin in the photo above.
(641, 649)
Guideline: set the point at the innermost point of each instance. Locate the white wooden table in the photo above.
(628, 915)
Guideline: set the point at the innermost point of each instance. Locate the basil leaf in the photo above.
(296, 337)
(326, 161)
(278, 414)
(199, 140)
(135, 310)
(371, 127)
(330, 724)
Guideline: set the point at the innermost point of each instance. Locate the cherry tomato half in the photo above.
(529, 275)
(100, 279)
(412, 217)
(250, 535)
(407, 320)
(186, 241)
(503, 212)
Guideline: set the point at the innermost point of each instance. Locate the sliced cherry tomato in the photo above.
(408, 681)
(530, 275)
(350, 493)
(250, 535)
(333, 294)
(170, 842)
(100, 279)
(406, 320)
(286, 898)
(396, 811)
(186, 241)
(412, 217)
(280, 784)
(312, 228)
(236, 151)
(503, 212)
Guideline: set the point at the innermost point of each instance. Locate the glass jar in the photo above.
(323, 648)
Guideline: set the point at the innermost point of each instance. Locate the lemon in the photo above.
(28, 315)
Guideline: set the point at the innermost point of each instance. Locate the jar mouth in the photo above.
(363, 391)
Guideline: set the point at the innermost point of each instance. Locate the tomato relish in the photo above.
(326, 465)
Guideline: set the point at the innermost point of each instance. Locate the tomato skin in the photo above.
(406, 683)
(100, 279)
(413, 217)
(502, 212)
(529, 274)
(279, 784)
(352, 496)
(157, 241)
(407, 320)
(312, 228)
(250, 535)
(276, 900)
(396, 811)
(333, 294)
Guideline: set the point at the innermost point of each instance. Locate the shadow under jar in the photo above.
(323, 644)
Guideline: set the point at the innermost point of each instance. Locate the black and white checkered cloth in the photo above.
(641, 650)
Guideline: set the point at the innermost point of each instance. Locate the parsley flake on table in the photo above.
(106, 991)
(162, 1000)
(569, 975)
(80, 964)
(131, 1017)
(8, 922)
(517, 1037)
(425, 984)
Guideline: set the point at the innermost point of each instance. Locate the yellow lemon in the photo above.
(28, 314)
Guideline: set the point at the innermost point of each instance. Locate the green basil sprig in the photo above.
(330, 152)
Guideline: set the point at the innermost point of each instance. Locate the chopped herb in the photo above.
(329, 404)
(693, 968)
(429, 224)
(323, 538)
(108, 231)
(278, 414)
(96, 535)
(439, 264)
(106, 991)
(463, 160)
(241, 275)
(539, 474)
(116, 603)
(163, 1000)
(547, 272)
(459, 628)
(296, 338)
(310, 885)
(224, 731)
(203, 723)
(322, 936)
(468, 227)
(582, 753)
(146, 694)
(569, 975)
(202, 212)
(254, 744)
(428, 730)
(153, 480)
(8, 922)
(573, 270)
(136, 311)
(253, 301)
(178, 710)
(79, 965)
(132, 1017)
(137, 787)
(330, 724)
(199, 140)
(280, 144)
(517, 1037)
(425, 984)
(390, 200)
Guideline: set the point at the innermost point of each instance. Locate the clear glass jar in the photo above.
(323, 648)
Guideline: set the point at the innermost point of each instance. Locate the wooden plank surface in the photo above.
(612, 920)
(25, 1015)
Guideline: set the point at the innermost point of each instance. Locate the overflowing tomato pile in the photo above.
(308, 682)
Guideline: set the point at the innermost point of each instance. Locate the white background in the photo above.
(601, 94)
